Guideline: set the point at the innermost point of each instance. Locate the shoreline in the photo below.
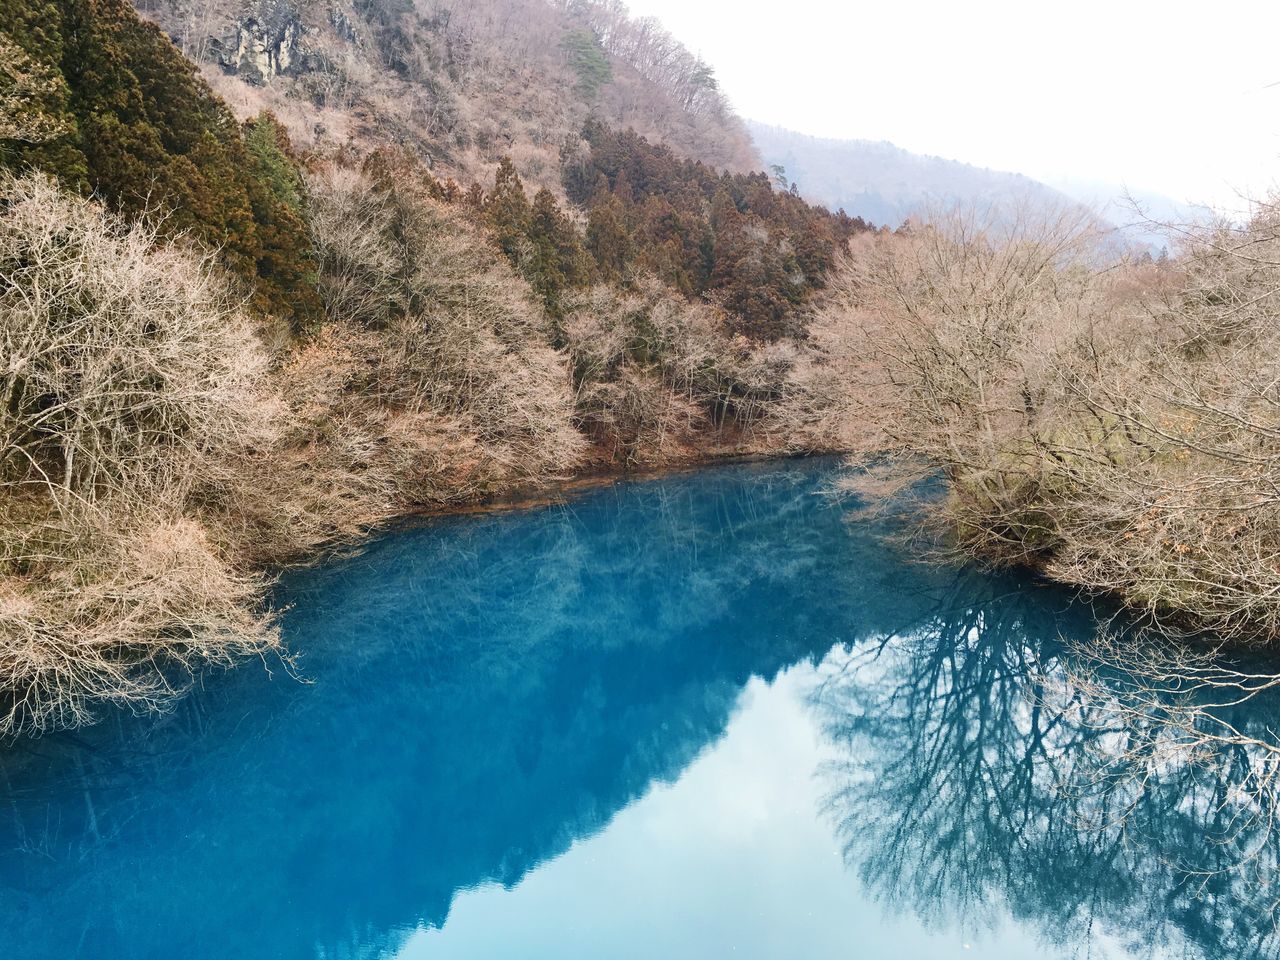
(529, 497)
(560, 491)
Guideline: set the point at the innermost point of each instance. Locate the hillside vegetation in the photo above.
(757, 252)
(438, 253)
(461, 82)
(223, 353)
(1112, 423)
(111, 107)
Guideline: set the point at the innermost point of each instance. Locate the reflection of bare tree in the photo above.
(1191, 754)
(982, 770)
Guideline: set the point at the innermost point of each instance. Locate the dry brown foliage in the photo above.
(656, 375)
(1114, 422)
(131, 383)
(443, 339)
(152, 456)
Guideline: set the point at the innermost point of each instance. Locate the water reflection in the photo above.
(484, 692)
(984, 771)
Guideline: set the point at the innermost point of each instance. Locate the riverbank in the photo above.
(555, 492)
(167, 451)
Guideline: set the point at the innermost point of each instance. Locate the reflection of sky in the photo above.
(561, 701)
(733, 859)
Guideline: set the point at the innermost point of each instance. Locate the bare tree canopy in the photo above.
(1111, 421)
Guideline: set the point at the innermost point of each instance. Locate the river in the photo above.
(715, 714)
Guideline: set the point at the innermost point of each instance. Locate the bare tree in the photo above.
(1112, 422)
(131, 383)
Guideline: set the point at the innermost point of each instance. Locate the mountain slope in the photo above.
(885, 184)
(121, 114)
(230, 347)
(462, 82)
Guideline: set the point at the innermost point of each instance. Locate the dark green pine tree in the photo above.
(278, 198)
(146, 134)
(608, 240)
(33, 41)
(507, 212)
(559, 259)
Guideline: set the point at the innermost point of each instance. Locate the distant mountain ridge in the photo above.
(883, 183)
(1144, 216)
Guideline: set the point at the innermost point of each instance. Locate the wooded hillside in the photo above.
(234, 343)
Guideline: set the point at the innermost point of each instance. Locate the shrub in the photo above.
(654, 371)
(445, 330)
(132, 386)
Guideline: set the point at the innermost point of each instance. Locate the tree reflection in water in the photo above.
(985, 768)
(488, 691)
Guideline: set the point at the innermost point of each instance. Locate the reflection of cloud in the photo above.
(492, 692)
(728, 861)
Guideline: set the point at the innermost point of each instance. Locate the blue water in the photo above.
(711, 715)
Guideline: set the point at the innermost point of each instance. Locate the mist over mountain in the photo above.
(886, 184)
(1145, 217)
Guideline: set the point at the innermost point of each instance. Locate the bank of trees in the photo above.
(261, 359)
(658, 378)
(133, 394)
(758, 252)
(156, 451)
(1112, 422)
(230, 358)
(154, 455)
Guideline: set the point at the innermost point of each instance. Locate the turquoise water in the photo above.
(705, 716)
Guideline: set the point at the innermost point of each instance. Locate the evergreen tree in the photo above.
(748, 241)
(286, 270)
(589, 61)
(269, 149)
(33, 44)
(506, 211)
(141, 130)
(559, 260)
(608, 240)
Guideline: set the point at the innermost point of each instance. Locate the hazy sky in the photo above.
(1180, 98)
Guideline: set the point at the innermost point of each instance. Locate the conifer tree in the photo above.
(559, 260)
(139, 128)
(608, 240)
(286, 270)
(507, 212)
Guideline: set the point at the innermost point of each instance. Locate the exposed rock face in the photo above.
(343, 26)
(264, 43)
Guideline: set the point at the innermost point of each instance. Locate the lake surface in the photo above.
(711, 715)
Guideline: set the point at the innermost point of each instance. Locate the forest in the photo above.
(1108, 421)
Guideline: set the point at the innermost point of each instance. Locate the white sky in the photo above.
(1176, 97)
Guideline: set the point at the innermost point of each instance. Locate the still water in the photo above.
(712, 715)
